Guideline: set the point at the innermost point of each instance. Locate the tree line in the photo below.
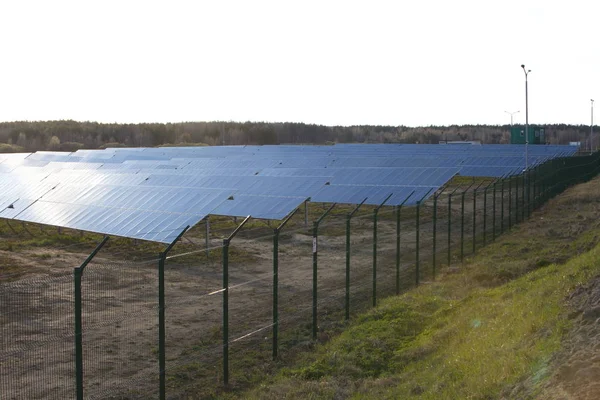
(68, 135)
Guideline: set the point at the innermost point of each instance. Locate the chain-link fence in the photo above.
(235, 300)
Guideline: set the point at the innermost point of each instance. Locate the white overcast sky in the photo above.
(414, 63)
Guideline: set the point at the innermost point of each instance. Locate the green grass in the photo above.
(445, 341)
(476, 332)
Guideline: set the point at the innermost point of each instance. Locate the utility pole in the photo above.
(527, 71)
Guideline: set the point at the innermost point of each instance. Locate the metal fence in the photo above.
(199, 319)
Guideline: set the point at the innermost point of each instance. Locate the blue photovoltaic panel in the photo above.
(262, 207)
(375, 195)
(18, 206)
(145, 225)
(175, 200)
(144, 192)
(393, 176)
(88, 178)
(490, 171)
(257, 185)
(24, 189)
(318, 172)
(6, 201)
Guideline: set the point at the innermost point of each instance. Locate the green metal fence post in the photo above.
(474, 233)
(77, 274)
(535, 187)
(276, 232)
(275, 301)
(485, 214)
(375, 212)
(226, 243)
(398, 232)
(509, 203)
(529, 192)
(348, 218)
(474, 218)
(434, 232)
(374, 258)
(462, 226)
(516, 199)
(78, 335)
(398, 235)
(494, 212)
(523, 194)
(528, 210)
(417, 232)
(225, 311)
(315, 270)
(161, 316)
(502, 207)
(418, 235)
(449, 226)
(315, 279)
(161, 326)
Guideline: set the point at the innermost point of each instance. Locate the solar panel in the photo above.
(153, 193)
(262, 207)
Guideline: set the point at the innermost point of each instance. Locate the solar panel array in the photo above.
(153, 193)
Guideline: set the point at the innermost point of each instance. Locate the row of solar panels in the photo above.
(156, 207)
(155, 197)
(468, 166)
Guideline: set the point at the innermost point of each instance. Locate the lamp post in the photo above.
(526, 71)
(592, 127)
(511, 116)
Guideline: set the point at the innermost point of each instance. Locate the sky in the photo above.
(376, 62)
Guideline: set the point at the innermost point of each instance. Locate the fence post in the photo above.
(275, 292)
(226, 243)
(225, 312)
(474, 218)
(375, 257)
(494, 212)
(375, 212)
(77, 274)
(207, 236)
(523, 193)
(434, 231)
(398, 231)
(315, 270)
(534, 188)
(502, 207)
(161, 315)
(485, 214)
(418, 234)
(462, 226)
(516, 199)
(530, 195)
(348, 218)
(78, 335)
(276, 232)
(449, 225)
(509, 203)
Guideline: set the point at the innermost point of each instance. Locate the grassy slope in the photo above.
(475, 332)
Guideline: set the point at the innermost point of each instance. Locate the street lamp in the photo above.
(592, 127)
(511, 116)
(527, 71)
